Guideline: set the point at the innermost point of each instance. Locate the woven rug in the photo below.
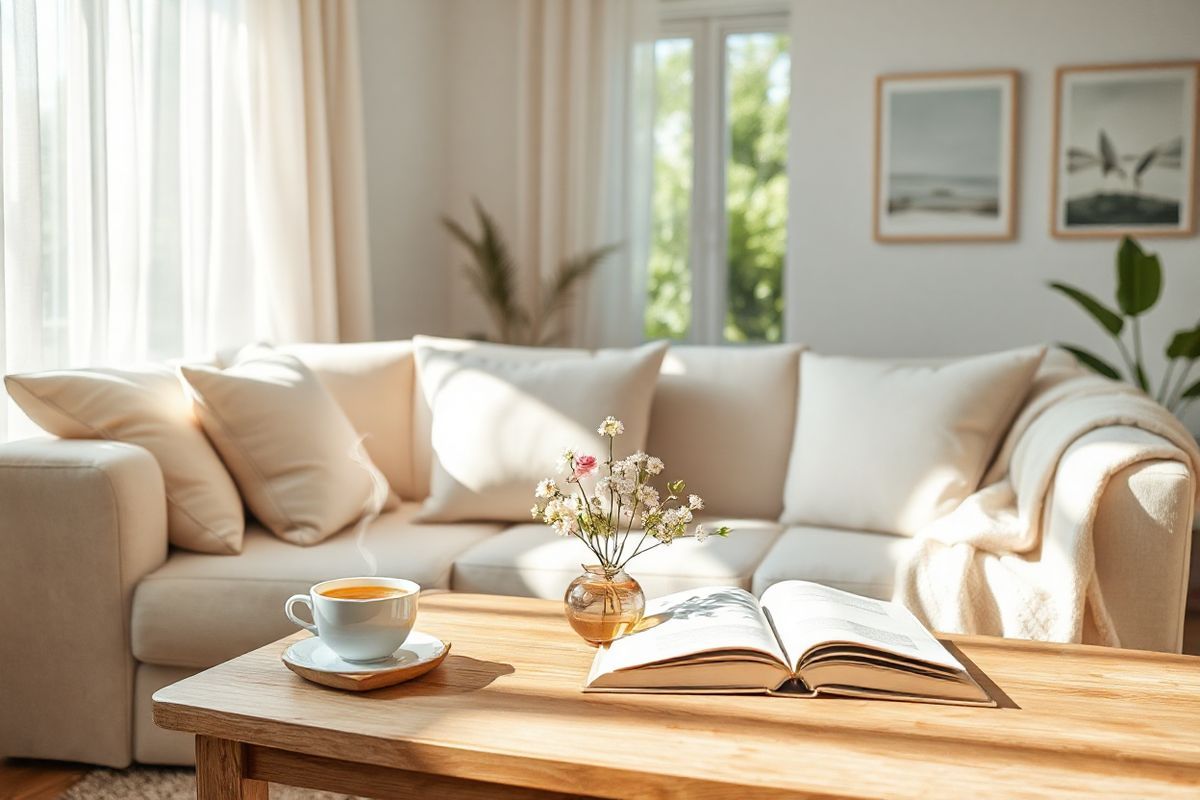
(165, 783)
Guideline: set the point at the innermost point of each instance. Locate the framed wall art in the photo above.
(1125, 150)
(945, 156)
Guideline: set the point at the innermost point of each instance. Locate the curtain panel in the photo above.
(178, 177)
(585, 160)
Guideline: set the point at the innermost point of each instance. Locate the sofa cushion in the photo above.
(501, 417)
(197, 610)
(862, 562)
(722, 420)
(889, 447)
(291, 450)
(373, 383)
(530, 561)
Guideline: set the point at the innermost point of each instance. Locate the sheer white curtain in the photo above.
(586, 153)
(178, 176)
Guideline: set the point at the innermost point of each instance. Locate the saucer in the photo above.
(314, 660)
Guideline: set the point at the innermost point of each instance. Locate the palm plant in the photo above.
(1139, 286)
(493, 274)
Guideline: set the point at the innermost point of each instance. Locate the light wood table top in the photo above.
(506, 708)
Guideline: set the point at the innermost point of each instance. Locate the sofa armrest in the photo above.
(1141, 534)
(82, 523)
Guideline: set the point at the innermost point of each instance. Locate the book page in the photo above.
(806, 615)
(691, 623)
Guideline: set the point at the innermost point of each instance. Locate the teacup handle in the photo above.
(306, 600)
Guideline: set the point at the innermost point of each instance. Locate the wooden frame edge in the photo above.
(1147, 233)
(1010, 233)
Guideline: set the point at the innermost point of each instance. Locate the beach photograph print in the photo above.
(945, 156)
(1125, 150)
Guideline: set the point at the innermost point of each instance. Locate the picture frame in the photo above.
(946, 156)
(1125, 150)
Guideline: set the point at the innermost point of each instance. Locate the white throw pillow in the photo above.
(147, 407)
(289, 446)
(888, 446)
(501, 416)
(373, 383)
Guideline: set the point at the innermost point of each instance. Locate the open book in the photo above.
(802, 639)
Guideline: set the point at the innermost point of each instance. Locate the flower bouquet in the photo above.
(623, 508)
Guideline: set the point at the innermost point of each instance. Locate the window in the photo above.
(719, 228)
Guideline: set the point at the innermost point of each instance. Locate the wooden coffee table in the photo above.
(504, 717)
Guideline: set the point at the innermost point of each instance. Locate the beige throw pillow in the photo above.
(147, 407)
(501, 416)
(886, 446)
(288, 445)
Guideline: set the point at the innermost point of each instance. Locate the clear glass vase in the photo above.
(602, 605)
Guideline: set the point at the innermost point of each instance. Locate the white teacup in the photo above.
(355, 625)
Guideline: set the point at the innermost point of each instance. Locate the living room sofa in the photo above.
(98, 612)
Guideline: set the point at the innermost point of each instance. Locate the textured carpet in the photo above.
(164, 783)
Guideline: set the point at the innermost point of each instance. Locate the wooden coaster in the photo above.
(366, 681)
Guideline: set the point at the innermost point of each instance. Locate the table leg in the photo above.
(221, 771)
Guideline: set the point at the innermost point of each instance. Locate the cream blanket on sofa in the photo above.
(992, 566)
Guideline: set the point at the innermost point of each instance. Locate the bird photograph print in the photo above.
(1125, 150)
(945, 156)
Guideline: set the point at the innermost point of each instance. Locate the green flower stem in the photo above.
(588, 545)
(636, 550)
(639, 551)
(632, 516)
(587, 509)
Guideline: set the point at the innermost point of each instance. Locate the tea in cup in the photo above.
(360, 619)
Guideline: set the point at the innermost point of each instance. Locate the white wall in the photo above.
(405, 109)
(455, 61)
(848, 294)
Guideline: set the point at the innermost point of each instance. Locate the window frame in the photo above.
(708, 24)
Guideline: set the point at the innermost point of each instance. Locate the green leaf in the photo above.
(1109, 319)
(1185, 344)
(1191, 392)
(1139, 278)
(1093, 362)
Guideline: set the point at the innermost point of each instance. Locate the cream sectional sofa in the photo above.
(97, 612)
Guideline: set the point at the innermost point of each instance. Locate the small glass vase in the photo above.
(602, 605)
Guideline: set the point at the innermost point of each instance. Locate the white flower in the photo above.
(647, 495)
(654, 465)
(701, 533)
(604, 485)
(535, 512)
(566, 462)
(611, 427)
(695, 502)
(546, 489)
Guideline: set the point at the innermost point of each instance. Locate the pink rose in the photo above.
(584, 465)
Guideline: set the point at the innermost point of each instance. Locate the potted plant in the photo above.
(493, 274)
(1139, 286)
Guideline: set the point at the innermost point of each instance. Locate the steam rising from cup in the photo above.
(372, 507)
